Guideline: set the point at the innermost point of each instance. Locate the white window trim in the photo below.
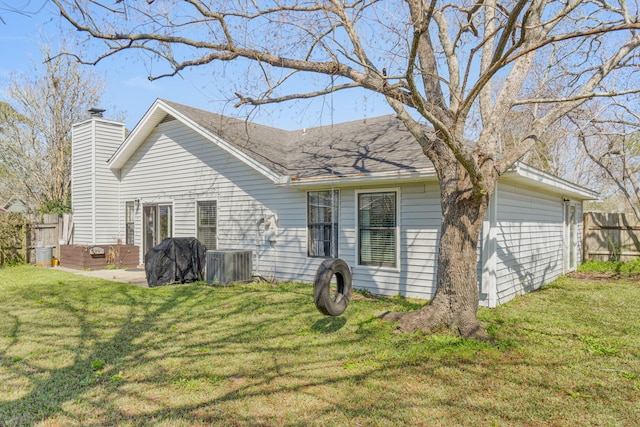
(156, 202)
(173, 216)
(166, 202)
(398, 227)
(134, 217)
(195, 214)
(306, 202)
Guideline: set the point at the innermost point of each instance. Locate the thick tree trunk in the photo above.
(455, 302)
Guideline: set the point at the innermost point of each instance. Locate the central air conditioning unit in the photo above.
(226, 267)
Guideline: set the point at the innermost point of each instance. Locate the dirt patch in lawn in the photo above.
(609, 275)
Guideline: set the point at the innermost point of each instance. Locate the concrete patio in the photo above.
(135, 276)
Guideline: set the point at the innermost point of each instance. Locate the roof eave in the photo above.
(374, 178)
(558, 185)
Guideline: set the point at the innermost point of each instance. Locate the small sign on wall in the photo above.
(96, 252)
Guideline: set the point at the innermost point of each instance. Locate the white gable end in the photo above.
(155, 116)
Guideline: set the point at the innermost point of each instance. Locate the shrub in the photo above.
(13, 239)
(628, 267)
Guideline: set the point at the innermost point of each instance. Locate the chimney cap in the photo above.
(96, 112)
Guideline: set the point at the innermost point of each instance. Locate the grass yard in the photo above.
(76, 351)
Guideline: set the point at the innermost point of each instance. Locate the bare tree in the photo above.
(547, 153)
(36, 137)
(610, 136)
(435, 63)
(10, 123)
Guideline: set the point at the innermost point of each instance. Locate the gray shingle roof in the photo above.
(380, 144)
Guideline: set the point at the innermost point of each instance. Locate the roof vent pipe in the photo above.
(96, 112)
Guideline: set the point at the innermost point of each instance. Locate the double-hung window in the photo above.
(207, 218)
(322, 223)
(377, 229)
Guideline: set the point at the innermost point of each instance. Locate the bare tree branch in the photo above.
(609, 95)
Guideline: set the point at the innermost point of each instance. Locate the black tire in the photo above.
(326, 304)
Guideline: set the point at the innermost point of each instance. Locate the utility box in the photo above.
(228, 266)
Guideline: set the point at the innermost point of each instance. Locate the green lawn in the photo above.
(88, 352)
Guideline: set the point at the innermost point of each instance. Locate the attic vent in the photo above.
(168, 118)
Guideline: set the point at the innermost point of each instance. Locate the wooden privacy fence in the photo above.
(44, 230)
(610, 237)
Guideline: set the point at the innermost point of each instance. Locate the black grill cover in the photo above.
(175, 260)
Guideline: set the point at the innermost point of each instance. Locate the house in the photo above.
(361, 191)
(15, 204)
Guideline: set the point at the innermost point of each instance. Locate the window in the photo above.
(377, 232)
(322, 223)
(207, 220)
(129, 222)
(164, 212)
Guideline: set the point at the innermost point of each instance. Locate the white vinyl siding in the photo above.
(419, 217)
(96, 213)
(108, 214)
(176, 163)
(245, 198)
(290, 265)
(529, 240)
(82, 183)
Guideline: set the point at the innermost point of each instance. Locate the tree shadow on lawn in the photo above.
(196, 355)
(52, 388)
(83, 389)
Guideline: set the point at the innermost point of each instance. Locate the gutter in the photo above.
(393, 177)
(536, 176)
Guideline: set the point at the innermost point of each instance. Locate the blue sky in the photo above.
(129, 92)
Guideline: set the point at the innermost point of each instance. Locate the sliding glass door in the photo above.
(157, 224)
